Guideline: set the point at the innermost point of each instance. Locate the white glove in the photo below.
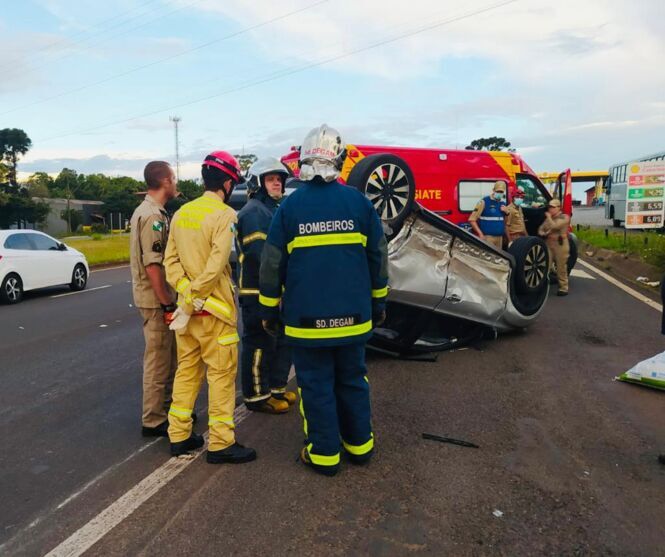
(180, 320)
(198, 303)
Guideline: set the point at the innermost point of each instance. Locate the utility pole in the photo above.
(176, 121)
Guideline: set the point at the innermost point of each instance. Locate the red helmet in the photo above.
(225, 162)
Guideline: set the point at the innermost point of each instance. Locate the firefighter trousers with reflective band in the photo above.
(159, 361)
(334, 394)
(559, 254)
(214, 343)
(265, 361)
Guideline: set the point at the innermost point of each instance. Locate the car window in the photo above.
(533, 196)
(18, 241)
(470, 192)
(43, 243)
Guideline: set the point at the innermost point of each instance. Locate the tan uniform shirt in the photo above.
(147, 243)
(553, 227)
(515, 220)
(198, 252)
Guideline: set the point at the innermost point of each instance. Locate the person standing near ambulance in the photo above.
(197, 266)
(487, 218)
(325, 263)
(515, 226)
(555, 231)
(153, 297)
(265, 360)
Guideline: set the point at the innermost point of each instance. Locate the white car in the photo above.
(31, 259)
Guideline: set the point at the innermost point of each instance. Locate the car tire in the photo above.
(616, 223)
(531, 263)
(79, 278)
(387, 181)
(11, 290)
(529, 277)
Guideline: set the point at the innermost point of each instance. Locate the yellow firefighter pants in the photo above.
(158, 367)
(559, 257)
(214, 343)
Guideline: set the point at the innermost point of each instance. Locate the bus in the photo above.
(615, 205)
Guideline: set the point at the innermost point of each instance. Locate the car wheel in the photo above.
(530, 283)
(11, 291)
(531, 263)
(79, 278)
(616, 223)
(387, 181)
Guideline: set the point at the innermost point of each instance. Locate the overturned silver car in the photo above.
(449, 288)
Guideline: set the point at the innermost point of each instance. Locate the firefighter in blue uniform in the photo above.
(325, 265)
(488, 217)
(264, 360)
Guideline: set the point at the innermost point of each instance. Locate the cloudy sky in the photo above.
(572, 83)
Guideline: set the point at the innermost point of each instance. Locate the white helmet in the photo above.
(322, 154)
(262, 167)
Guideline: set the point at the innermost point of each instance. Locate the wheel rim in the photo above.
(12, 289)
(388, 190)
(79, 277)
(535, 266)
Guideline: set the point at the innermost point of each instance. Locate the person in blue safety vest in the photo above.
(265, 361)
(487, 218)
(325, 264)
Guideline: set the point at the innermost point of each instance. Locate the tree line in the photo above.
(23, 204)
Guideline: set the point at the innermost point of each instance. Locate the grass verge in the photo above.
(103, 249)
(649, 246)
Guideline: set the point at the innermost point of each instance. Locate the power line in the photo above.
(291, 71)
(53, 44)
(167, 58)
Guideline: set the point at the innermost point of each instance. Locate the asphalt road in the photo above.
(566, 464)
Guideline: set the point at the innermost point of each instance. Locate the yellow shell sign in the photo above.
(635, 168)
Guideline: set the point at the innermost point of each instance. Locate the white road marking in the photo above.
(581, 274)
(634, 293)
(89, 534)
(108, 269)
(82, 291)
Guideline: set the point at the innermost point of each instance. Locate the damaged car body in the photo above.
(449, 288)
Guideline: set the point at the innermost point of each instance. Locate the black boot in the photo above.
(235, 454)
(183, 447)
(161, 430)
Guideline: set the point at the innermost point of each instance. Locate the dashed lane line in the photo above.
(81, 291)
(634, 293)
(579, 273)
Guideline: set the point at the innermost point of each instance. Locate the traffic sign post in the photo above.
(645, 195)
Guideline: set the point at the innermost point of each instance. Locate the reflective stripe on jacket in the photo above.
(325, 264)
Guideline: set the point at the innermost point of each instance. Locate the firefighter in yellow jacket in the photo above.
(197, 266)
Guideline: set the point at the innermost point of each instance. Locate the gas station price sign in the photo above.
(645, 195)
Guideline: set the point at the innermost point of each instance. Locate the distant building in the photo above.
(55, 225)
(590, 196)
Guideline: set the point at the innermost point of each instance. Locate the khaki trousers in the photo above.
(496, 241)
(158, 367)
(205, 340)
(559, 258)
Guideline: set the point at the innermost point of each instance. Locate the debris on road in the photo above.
(645, 280)
(102, 326)
(460, 442)
(497, 513)
(650, 373)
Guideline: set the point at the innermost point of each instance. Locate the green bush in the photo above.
(97, 237)
(99, 228)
